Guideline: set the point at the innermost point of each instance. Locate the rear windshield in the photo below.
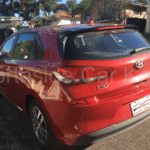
(102, 45)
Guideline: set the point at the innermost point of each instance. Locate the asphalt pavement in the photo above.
(16, 134)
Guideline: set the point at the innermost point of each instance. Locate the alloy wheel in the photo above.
(39, 125)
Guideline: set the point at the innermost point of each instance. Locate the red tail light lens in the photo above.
(110, 27)
(75, 75)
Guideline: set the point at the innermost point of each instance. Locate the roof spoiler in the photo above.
(68, 33)
(63, 33)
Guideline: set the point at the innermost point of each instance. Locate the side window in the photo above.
(24, 47)
(7, 48)
(39, 50)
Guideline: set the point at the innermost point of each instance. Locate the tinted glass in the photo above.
(24, 47)
(38, 48)
(7, 48)
(103, 44)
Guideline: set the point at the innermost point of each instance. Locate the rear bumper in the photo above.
(95, 122)
(113, 130)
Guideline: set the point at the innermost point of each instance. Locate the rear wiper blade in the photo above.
(139, 49)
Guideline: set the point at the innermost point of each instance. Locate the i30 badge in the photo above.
(139, 64)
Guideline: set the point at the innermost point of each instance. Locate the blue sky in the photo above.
(64, 1)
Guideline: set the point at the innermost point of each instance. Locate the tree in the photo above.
(42, 21)
(28, 9)
(83, 8)
(69, 7)
(47, 6)
(25, 8)
(61, 7)
(7, 8)
(74, 9)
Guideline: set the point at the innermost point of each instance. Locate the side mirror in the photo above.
(1, 54)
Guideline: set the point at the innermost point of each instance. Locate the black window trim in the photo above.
(12, 49)
(33, 48)
(40, 43)
(36, 34)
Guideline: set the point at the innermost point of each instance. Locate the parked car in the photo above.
(78, 84)
(7, 26)
(4, 33)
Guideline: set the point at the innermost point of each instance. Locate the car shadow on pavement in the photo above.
(20, 131)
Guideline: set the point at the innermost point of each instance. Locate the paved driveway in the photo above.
(16, 134)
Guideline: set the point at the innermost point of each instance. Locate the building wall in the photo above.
(78, 22)
(65, 21)
(96, 4)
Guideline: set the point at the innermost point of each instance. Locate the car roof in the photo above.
(72, 29)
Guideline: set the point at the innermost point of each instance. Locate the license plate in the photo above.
(140, 105)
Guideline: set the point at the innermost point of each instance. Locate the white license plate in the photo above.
(140, 105)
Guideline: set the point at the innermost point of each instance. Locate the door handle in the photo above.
(3, 67)
(21, 70)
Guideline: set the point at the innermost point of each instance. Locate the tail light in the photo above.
(76, 75)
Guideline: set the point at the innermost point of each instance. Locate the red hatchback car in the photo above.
(79, 84)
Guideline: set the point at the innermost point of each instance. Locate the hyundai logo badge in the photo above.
(139, 64)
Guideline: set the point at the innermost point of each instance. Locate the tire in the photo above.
(41, 127)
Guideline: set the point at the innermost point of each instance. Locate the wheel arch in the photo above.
(28, 100)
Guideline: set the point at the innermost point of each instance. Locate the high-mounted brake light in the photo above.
(76, 75)
(91, 22)
(110, 27)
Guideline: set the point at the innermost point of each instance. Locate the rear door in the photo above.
(5, 66)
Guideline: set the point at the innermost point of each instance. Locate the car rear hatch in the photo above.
(111, 60)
